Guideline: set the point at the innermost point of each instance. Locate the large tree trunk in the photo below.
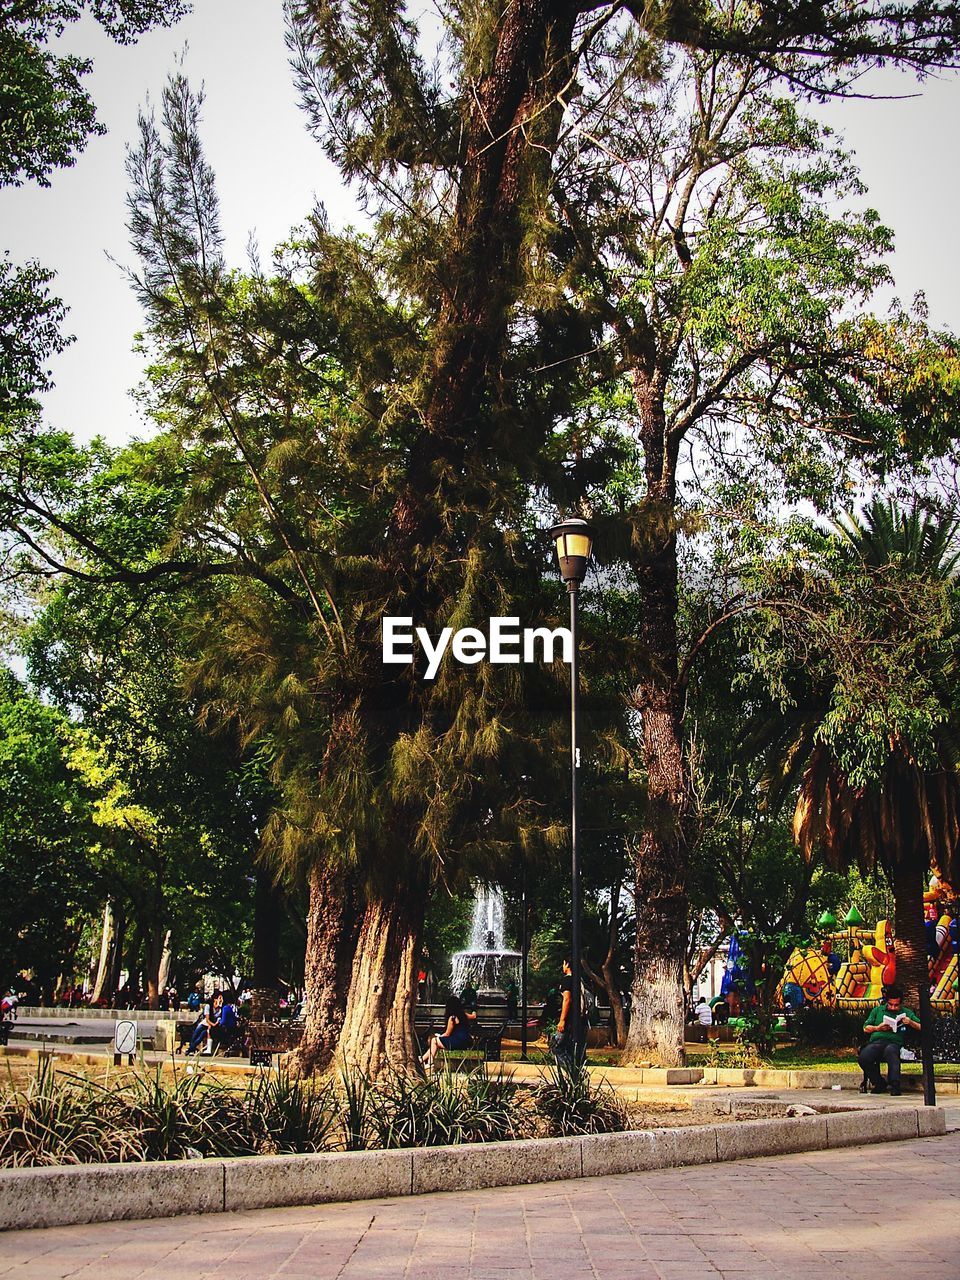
(657, 1005)
(333, 921)
(378, 1026)
(907, 881)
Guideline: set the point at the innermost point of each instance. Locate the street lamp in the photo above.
(574, 543)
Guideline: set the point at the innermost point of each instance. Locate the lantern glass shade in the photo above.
(574, 543)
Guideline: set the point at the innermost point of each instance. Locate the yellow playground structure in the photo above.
(852, 964)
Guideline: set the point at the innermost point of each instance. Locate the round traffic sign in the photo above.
(125, 1036)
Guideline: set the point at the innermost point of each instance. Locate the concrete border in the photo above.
(70, 1194)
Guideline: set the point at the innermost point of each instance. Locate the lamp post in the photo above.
(523, 960)
(574, 542)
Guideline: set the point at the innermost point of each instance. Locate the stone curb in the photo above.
(104, 1193)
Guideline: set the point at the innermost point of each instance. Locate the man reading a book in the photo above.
(886, 1025)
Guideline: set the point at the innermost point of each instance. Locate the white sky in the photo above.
(270, 172)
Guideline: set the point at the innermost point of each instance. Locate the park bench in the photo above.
(264, 1039)
(226, 1043)
(486, 1039)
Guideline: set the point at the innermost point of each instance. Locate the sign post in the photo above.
(124, 1041)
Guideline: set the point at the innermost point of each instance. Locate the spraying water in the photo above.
(487, 964)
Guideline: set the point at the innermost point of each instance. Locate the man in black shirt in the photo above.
(564, 1047)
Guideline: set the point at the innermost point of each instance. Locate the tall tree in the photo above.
(871, 737)
(704, 242)
(425, 348)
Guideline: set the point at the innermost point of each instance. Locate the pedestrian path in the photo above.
(892, 1209)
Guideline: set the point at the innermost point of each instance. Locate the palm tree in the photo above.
(895, 569)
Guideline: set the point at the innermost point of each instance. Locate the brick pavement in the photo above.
(889, 1210)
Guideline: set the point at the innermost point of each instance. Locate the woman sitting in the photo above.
(456, 1035)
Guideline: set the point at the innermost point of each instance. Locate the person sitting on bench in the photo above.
(203, 1031)
(455, 1036)
(886, 1025)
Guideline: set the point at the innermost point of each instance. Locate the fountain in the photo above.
(487, 963)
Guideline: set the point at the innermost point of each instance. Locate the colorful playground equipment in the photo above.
(850, 967)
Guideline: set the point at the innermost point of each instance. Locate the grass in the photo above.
(795, 1058)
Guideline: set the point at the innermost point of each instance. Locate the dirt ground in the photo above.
(16, 1073)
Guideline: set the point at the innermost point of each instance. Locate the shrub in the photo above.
(188, 1117)
(353, 1111)
(290, 1113)
(737, 1053)
(442, 1110)
(573, 1105)
(63, 1120)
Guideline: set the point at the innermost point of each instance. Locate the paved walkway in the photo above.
(889, 1210)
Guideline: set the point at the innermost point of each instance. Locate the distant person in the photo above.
(703, 1017)
(513, 1000)
(8, 1006)
(193, 1001)
(565, 1047)
(720, 1011)
(551, 1008)
(225, 1031)
(206, 1024)
(468, 998)
(456, 1035)
(886, 1025)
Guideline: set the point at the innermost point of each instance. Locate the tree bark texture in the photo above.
(910, 936)
(332, 927)
(378, 1026)
(657, 1006)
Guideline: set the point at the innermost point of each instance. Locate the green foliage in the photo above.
(47, 879)
(355, 1111)
(59, 1120)
(176, 811)
(30, 321)
(46, 115)
(291, 1114)
(188, 1117)
(69, 1119)
(742, 1053)
(574, 1105)
(443, 1110)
